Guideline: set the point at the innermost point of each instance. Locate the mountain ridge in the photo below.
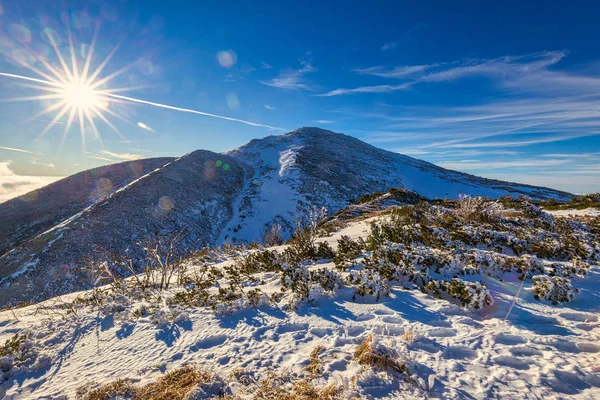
(217, 198)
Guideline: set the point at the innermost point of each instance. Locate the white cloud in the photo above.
(323, 121)
(268, 107)
(121, 156)
(525, 71)
(402, 71)
(389, 46)
(265, 65)
(293, 79)
(13, 185)
(367, 89)
(469, 165)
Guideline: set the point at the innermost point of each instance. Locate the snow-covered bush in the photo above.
(471, 209)
(471, 295)
(368, 282)
(21, 354)
(307, 285)
(553, 288)
(168, 315)
(273, 235)
(347, 251)
(254, 298)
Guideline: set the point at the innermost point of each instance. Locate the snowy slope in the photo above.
(312, 167)
(539, 351)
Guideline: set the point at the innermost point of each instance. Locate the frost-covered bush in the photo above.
(368, 282)
(472, 209)
(553, 288)
(307, 285)
(347, 251)
(471, 295)
(254, 298)
(168, 315)
(21, 354)
(256, 262)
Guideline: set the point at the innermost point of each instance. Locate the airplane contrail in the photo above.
(150, 103)
(188, 110)
(19, 150)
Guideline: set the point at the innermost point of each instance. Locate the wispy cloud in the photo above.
(389, 46)
(268, 107)
(265, 65)
(402, 71)
(511, 71)
(121, 156)
(469, 165)
(368, 89)
(293, 79)
(323, 121)
(13, 185)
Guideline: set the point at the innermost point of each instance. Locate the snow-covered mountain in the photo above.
(48, 235)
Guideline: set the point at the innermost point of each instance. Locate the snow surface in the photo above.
(540, 351)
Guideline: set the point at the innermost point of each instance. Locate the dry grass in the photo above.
(314, 367)
(119, 389)
(366, 355)
(409, 335)
(175, 385)
(281, 387)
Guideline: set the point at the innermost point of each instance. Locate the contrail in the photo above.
(187, 110)
(150, 103)
(19, 150)
(26, 78)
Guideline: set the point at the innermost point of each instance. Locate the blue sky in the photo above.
(509, 90)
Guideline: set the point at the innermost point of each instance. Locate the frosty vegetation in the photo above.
(442, 248)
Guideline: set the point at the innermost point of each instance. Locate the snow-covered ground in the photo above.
(536, 351)
(592, 212)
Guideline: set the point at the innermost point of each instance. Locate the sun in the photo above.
(82, 96)
(76, 93)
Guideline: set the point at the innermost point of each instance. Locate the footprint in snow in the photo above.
(512, 362)
(578, 317)
(510, 340)
(460, 353)
(442, 332)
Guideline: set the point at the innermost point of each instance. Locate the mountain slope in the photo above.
(215, 198)
(312, 167)
(33, 213)
(194, 192)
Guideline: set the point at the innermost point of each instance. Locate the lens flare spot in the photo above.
(136, 168)
(219, 163)
(30, 197)
(144, 126)
(226, 167)
(20, 33)
(103, 188)
(1, 10)
(232, 101)
(226, 58)
(51, 37)
(166, 203)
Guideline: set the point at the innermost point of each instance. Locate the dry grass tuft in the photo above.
(285, 387)
(119, 389)
(314, 367)
(366, 355)
(175, 385)
(409, 335)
